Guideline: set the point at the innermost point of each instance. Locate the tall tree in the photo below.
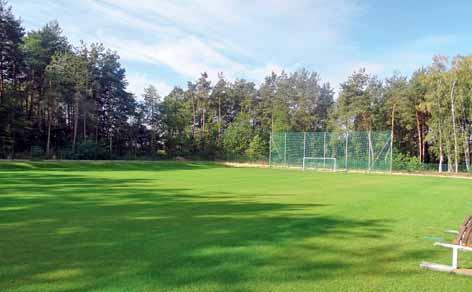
(11, 58)
(437, 97)
(417, 90)
(400, 110)
(11, 34)
(219, 97)
(203, 90)
(174, 116)
(463, 72)
(151, 114)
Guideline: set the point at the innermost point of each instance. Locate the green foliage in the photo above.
(358, 103)
(174, 116)
(257, 149)
(86, 151)
(37, 153)
(238, 136)
(402, 162)
(57, 95)
(11, 64)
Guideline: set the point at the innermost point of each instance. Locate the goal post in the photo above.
(319, 163)
(344, 150)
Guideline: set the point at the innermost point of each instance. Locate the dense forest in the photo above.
(63, 101)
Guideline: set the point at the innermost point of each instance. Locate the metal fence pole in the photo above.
(391, 152)
(369, 151)
(304, 144)
(324, 150)
(270, 149)
(346, 152)
(304, 149)
(285, 149)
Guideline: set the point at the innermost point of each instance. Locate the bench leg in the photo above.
(454, 258)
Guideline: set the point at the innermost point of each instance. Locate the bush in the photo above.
(85, 151)
(238, 136)
(257, 149)
(404, 162)
(37, 153)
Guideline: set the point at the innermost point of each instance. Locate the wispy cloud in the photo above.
(167, 42)
(235, 37)
(140, 81)
(242, 38)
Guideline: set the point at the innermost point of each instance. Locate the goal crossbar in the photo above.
(322, 159)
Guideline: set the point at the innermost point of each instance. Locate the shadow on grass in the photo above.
(105, 165)
(68, 232)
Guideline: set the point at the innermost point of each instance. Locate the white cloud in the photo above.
(259, 73)
(241, 38)
(127, 19)
(188, 56)
(137, 83)
(234, 37)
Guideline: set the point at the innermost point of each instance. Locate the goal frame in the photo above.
(324, 159)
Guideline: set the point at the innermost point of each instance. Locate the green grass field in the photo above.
(204, 227)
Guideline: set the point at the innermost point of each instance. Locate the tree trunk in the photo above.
(391, 138)
(203, 129)
(467, 150)
(369, 136)
(110, 145)
(219, 118)
(420, 137)
(76, 121)
(153, 141)
(454, 132)
(194, 116)
(423, 139)
(85, 125)
(449, 159)
(153, 130)
(48, 143)
(97, 121)
(31, 96)
(96, 134)
(2, 88)
(11, 117)
(441, 150)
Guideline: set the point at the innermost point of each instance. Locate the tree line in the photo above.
(63, 101)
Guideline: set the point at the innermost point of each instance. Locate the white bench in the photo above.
(454, 267)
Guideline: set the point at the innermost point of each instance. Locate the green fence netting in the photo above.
(369, 151)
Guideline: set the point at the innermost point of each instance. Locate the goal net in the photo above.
(327, 163)
(351, 150)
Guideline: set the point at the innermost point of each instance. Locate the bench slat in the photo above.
(448, 245)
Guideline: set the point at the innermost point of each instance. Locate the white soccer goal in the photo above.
(319, 163)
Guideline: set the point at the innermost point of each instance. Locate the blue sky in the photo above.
(168, 42)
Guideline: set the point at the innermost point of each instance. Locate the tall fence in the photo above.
(369, 151)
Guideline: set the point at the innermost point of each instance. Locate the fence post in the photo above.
(270, 149)
(285, 149)
(369, 151)
(304, 149)
(391, 153)
(346, 151)
(324, 149)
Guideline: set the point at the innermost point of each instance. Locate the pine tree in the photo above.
(151, 114)
(11, 63)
